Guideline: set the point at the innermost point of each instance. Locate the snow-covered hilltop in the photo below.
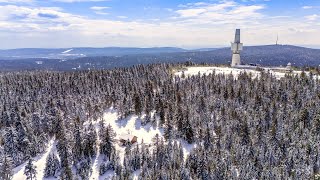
(189, 71)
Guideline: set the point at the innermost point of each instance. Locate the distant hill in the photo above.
(271, 55)
(72, 53)
(281, 55)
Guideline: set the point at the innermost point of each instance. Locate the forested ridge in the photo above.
(269, 55)
(243, 128)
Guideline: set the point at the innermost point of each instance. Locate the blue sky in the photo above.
(154, 23)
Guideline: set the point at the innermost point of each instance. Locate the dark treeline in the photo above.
(243, 128)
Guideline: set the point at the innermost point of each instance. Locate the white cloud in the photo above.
(122, 17)
(16, 1)
(12, 13)
(224, 12)
(101, 13)
(312, 17)
(72, 1)
(195, 25)
(307, 7)
(99, 8)
(311, 7)
(190, 12)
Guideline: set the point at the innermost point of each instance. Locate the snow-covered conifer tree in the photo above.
(6, 166)
(30, 170)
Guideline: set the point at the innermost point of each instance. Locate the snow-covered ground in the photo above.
(131, 125)
(67, 51)
(39, 162)
(228, 70)
(98, 159)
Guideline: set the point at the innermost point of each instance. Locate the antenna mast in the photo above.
(277, 39)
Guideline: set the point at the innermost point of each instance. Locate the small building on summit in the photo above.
(125, 139)
(289, 67)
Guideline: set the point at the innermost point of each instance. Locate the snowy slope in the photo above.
(39, 162)
(98, 159)
(131, 125)
(228, 70)
(67, 51)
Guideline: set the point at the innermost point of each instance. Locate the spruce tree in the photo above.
(52, 166)
(6, 166)
(30, 170)
(106, 145)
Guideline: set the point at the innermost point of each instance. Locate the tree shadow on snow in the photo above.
(122, 122)
(138, 124)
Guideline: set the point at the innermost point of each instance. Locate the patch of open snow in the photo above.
(131, 125)
(39, 162)
(98, 159)
(218, 70)
(67, 51)
(39, 62)
(234, 71)
(71, 55)
(187, 148)
(136, 174)
(107, 175)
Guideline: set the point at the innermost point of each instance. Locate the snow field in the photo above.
(228, 70)
(39, 162)
(67, 51)
(131, 125)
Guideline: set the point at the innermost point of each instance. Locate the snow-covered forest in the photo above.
(203, 126)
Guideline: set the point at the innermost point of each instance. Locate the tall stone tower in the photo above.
(236, 47)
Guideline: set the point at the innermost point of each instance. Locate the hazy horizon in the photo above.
(186, 48)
